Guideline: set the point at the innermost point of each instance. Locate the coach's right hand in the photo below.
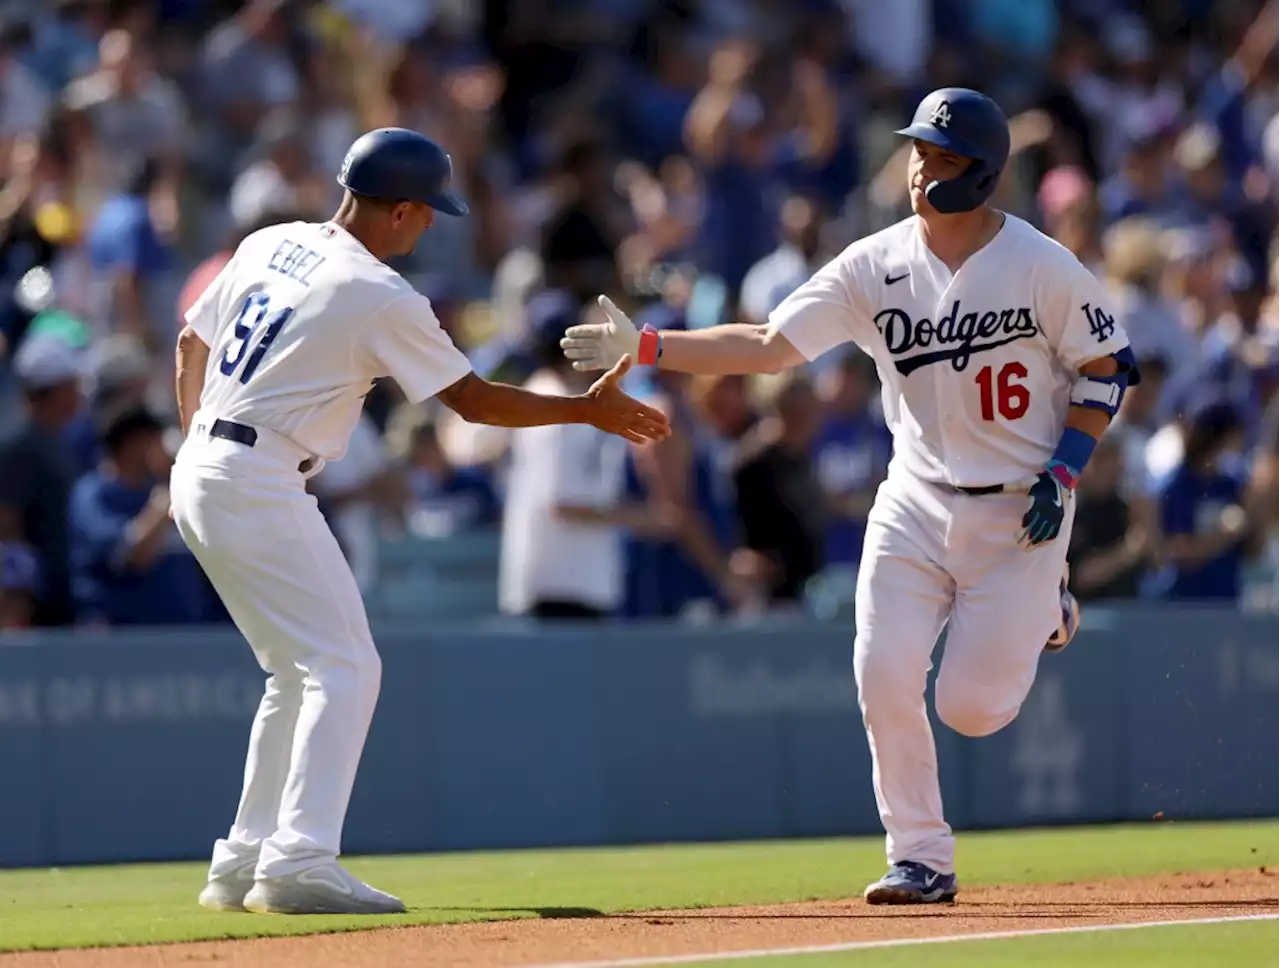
(611, 410)
(598, 346)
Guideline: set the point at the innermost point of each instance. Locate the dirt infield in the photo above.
(571, 935)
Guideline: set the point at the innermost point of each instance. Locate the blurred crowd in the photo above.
(695, 159)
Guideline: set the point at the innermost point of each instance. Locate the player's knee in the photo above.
(884, 680)
(969, 712)
(356, 671)
(286, 680)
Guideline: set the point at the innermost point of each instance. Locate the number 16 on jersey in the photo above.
(250, 319)
(1002, 393)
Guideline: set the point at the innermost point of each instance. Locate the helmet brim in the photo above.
(448, 202)
(927, 132)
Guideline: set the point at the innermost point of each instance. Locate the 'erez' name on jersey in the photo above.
(958, 336)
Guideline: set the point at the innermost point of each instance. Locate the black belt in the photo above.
(230, 430)
(977, 491)
(244, 434)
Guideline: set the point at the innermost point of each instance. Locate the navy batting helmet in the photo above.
(396, 164)
(969, 124)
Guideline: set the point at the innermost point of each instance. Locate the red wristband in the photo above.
(650, 346)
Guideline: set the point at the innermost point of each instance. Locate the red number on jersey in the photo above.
(1002, 394)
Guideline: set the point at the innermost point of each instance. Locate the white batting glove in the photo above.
(598, 346)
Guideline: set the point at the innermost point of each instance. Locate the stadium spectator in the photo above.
(689, 573)
(19, 575)
(1111, 546)
(580, 239)
(118, 373)
(279, 179)
(25, 100)
(780, 502)
(129, 565)
(132, 258)
(437, 498)
(1135, 253)
(1204, 525)
(778, 274)
(247, 73)
(729, 135)
(1133, 429)
(133, 114)
(851, 454)
(565, 512)
(39, 468)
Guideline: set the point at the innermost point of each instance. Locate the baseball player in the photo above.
(274, 363)
(1001, 367)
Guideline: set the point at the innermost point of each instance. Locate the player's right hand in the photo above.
(598, 346)
(611, 410)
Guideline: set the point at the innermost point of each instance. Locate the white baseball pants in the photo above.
(933, 556)
(247, 517)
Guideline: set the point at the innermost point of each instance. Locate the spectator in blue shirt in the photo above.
(129, 565)
(852, 454)
(19, 575)
(1203, 519)
(131, 260)
(730, 135)
(440, 498)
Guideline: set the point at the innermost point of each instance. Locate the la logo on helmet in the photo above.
(941, 116)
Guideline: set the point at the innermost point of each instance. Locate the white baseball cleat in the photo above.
(227, 891)
(327, 889)
(1070, 622)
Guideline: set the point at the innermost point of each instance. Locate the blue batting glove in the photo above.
(1043, 520)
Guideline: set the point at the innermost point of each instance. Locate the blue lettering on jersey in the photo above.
(295, 261)
(958, 337)
(253, 313)
(1102, 326)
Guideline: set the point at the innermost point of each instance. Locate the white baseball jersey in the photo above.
(300, 323)
(976, 367)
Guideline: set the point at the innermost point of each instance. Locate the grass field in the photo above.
(143, 904)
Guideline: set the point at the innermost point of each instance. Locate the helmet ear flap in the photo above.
(965, 192)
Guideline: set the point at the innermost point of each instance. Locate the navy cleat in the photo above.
(910, 883)
(1070, 622)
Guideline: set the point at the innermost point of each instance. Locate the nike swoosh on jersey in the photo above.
(890, 280)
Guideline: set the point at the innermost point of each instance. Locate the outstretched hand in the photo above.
(598, 346)
(613, 411)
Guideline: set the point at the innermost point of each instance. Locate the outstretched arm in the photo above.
(476, 400)
(734, 348)
(604, 406)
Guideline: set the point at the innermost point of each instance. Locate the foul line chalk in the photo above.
(818, 949)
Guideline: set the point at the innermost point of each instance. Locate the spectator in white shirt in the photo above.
(783, 270)
(279, 179)
(564, 515)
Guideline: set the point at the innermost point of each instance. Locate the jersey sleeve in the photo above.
(1076, 313)
(826, 311)
(205, 312)
(408, 344)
